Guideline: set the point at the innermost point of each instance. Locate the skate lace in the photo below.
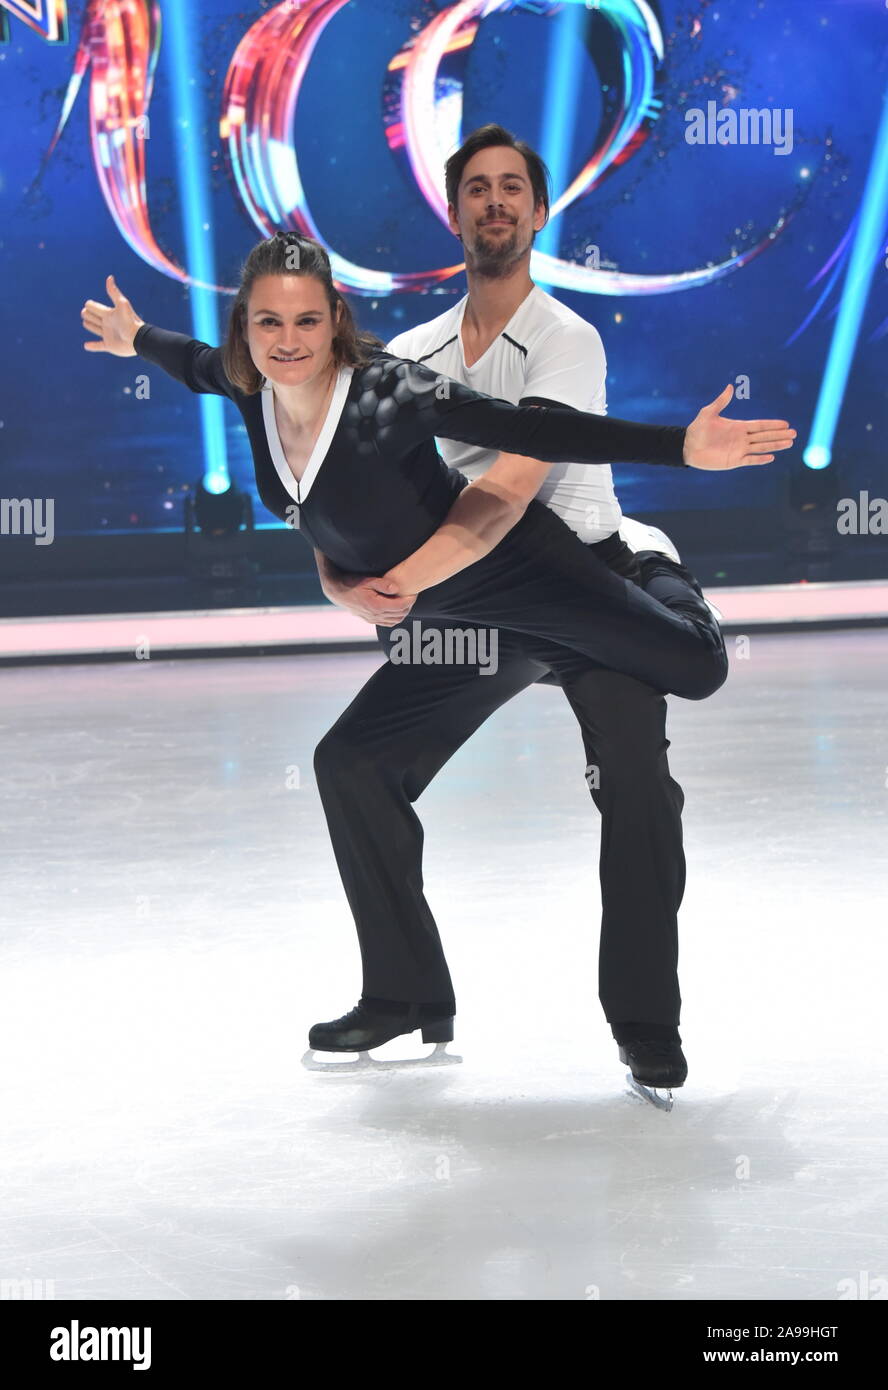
(354, 1015)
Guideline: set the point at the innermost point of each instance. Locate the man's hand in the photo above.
(376, 600)
(715, 444)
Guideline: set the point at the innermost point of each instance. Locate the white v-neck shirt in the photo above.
(299, 489)
(545, 350)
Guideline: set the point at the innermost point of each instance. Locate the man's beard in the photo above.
(495, 259)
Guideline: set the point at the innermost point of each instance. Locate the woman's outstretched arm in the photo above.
(121, 331)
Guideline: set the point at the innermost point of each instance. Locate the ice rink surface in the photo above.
(173, 923)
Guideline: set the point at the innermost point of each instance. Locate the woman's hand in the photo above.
(715, 444)
(116, 327)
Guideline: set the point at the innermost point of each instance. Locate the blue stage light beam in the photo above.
(865, 254)
(567, 54)
(193, 161)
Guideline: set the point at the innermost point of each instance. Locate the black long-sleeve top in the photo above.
(375, 487)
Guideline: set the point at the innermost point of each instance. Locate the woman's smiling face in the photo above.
(289, 328)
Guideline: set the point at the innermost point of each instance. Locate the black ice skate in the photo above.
(655, 1064)
(365, 1027)
(651, 545)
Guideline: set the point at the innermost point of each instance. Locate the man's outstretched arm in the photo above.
(710, 443)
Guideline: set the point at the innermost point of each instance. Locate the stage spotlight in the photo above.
(811, 501)
(219, 513)
(219, 540)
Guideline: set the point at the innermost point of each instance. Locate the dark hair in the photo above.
(483, 138)
(289, 253)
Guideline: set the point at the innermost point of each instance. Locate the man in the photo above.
(509, 339)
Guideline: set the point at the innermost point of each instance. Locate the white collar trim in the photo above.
(299, 489)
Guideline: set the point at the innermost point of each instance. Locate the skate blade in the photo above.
(366, 1063)
(650, 1093)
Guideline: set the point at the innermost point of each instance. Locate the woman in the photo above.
(342, 436)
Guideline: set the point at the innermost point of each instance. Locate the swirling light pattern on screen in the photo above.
(120, 42)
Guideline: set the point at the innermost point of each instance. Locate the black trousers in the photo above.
(409, 719)
(542, 581)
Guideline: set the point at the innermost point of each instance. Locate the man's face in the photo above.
(495, 216)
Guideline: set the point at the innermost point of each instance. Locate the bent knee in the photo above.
(359, 756)
(333, 755)
(704, 676)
